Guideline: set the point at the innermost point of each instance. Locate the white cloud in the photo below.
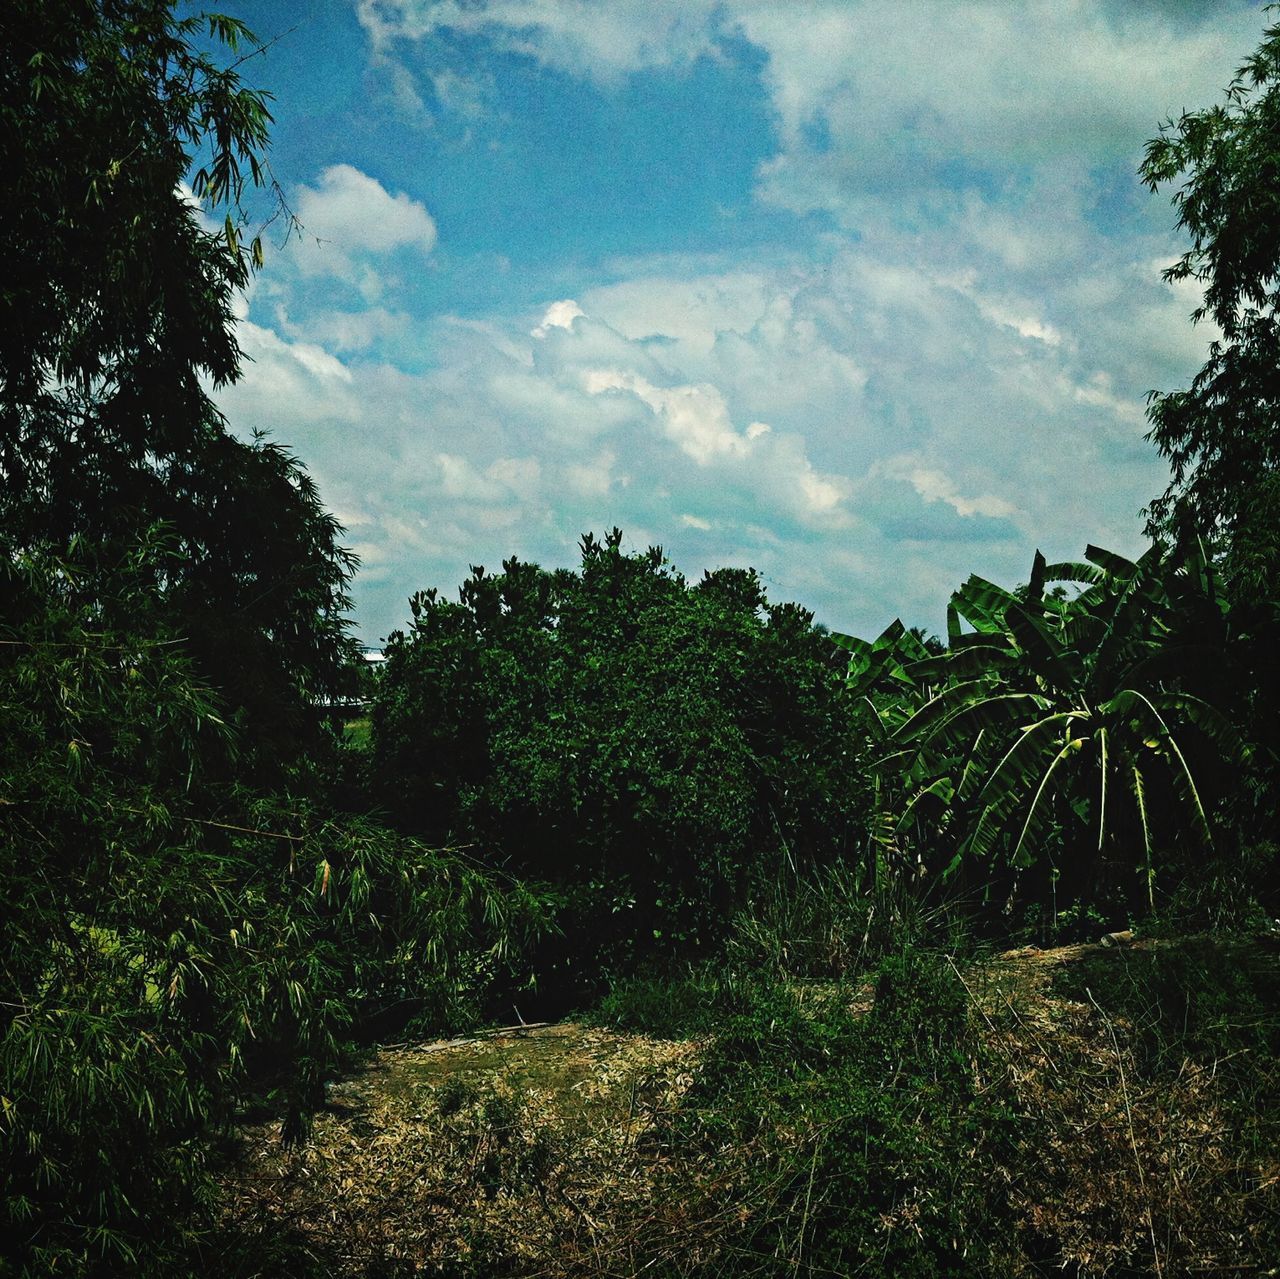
(592, 40)
(965, 444)
(695, 417)
(350, 218)
(301, 373)
(594, 478)
(559, 315)
(344, 331)
(947, 375)
(874, 101)
(936, 486)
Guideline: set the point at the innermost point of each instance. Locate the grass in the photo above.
(1082, 1111)
(358, 733)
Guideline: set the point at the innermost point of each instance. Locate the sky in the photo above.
(865, 296)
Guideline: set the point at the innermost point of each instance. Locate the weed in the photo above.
(864, 1141)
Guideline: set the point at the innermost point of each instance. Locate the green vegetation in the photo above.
(650, 747)
(177, 945)
(1063, 749)
(683, 803)
(114, 317)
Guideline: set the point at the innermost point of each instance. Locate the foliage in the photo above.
(114, 282)
(173, 943)
(1062, 744)
(667, 1005)
(642, 742)
(1214, 999)
(832, 923)
(1220, 435)
(870, 1142)
(117, 311)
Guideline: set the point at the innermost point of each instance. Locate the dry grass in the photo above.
(1126, 1171)
(541, 1152)
(523, 1149)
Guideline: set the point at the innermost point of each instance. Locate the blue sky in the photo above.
(865, 296)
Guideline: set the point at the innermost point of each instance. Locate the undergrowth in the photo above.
(864, 1142)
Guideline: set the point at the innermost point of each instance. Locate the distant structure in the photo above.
(340, 709)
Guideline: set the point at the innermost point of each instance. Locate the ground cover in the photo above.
(1121, 1116)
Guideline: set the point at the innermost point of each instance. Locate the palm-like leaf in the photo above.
(1055, 712)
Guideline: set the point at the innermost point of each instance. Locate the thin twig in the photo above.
(244, 830)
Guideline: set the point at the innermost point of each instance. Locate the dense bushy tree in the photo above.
(173, 941)
(116, 312)
(1222, 434)
(172, 608)
(620, 731)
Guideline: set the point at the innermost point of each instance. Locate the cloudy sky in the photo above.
(866, 296)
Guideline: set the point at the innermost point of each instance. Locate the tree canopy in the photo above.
(1222, 434)
(116, 314)
(620, 731)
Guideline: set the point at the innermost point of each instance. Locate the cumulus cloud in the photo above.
(874, 102)
(948, 372)
(694, 417)
(889, 95)
(588, 39)
(935, 485)
(344, 331)
(350, 218)
(819, 424)
(559, 315)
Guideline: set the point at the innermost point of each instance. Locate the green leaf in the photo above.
(1035, 584)
(1069, 748)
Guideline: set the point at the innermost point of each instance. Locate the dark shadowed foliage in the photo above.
(175, 944)
(1066, 751)
(116, 313)
(649, 745)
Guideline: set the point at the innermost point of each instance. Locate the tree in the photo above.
(1222, 434)
(176, 937)
(1063, 741)
(174, 944)
(646, 744)
(116, 311)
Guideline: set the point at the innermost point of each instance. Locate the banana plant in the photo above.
(1060, 729)
(878, 677)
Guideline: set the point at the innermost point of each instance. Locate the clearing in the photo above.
(541, 1150)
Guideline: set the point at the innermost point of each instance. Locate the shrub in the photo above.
(865, 1142)
(642, 743)
(174, 945)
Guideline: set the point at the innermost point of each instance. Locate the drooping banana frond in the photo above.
(1069, 748)
(1184, 782)
(1021, 769)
